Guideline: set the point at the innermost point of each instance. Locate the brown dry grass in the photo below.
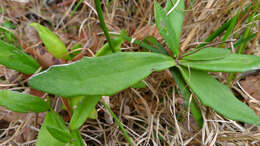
(152, 116)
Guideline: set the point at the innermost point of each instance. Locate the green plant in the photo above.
(82, 83)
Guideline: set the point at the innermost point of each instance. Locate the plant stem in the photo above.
(76, 7)
(118, 123)
(103, 24)
(66, 104)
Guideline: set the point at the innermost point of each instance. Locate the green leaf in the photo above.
(105, 50)
(165, 29)
(207, 54)
(231, 63)
(77, 140)
(74, 101)
(230, 29)
(83, 110)
(59, 134)
(76, 46)
(16, 59)
(44, 137)
(195, 110)
(139, 84)
(105, 75)
(54, 45)
(19, 102)
(154, 42)
(144, 45)
(217, 96)
(176, 17)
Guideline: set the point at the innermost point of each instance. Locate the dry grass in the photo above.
(154, 115)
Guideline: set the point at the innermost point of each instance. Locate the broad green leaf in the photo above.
(82, 111)
(93, 114)
(54, 45)
(195, 110)
(231, 63)
(59, 134)
(16, 59)
(44, 137)
(105, 75)
(217, 96)
(176, 16)
(139, 84)
(165, 29)
(77, 140)
(207, 54)
(74, 101)
(105, 50)
(19, 102)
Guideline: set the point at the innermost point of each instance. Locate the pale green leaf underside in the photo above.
(165, 29)
(217, 96)
(44, 137)
(83, 111)
(106, 50)
(19, 102)
(231, 63)
(105, 75)
(207, 54)
(175, 18)
(54, 45)
(16, 59)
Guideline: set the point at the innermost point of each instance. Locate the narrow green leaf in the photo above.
(76, 7)
(243, 40)
(221, 29)
(217, 96)
(54, 45)
(176, 16)
(207, 54)
(19, 102)
(59, 134)
(247, 33)
(105, 75)
(144, 45)
(16, 59)
(82, 111)
(165, 29)
(103, 25)
(230, 28)
(105, 50)
(154, 42)
(76, 46)
(196, 113)
(231, 63)
(77, 139)
(44, 137)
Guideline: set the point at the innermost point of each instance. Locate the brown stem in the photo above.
(66, 104)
